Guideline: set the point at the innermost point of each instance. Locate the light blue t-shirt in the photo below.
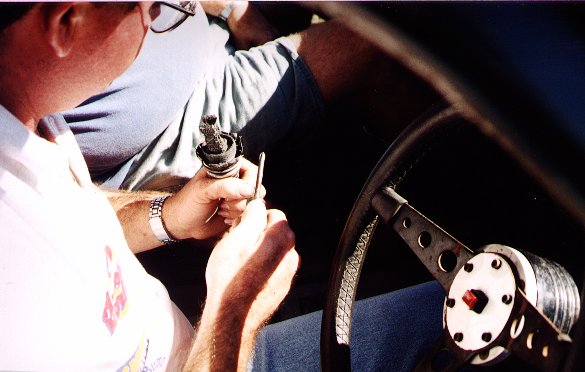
(141, 133)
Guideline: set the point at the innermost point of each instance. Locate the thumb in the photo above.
(253, 222)
(228, 188)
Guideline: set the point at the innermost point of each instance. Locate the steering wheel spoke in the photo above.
(532, 337)
(498, 300)
(441, 254)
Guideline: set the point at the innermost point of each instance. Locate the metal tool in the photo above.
(259, 176)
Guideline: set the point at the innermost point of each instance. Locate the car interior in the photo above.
(475, 116)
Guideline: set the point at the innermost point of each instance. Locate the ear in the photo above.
(61, 23)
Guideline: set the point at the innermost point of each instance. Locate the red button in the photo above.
(470, 299)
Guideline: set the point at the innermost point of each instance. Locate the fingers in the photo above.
(232, 209)
(263, 239)
(232, 188)
(277, 226)
(248, 171)
(227, 188)
(253, 222)
(278, 239)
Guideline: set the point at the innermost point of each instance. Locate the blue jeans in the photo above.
(390, 332)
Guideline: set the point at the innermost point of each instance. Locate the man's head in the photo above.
(55, 55)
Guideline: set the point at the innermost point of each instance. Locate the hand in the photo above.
(248, 26)
(200, 209)
(248, 274)
(256, 260)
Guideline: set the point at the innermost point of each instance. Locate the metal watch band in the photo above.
(156, 222)
(225, 12)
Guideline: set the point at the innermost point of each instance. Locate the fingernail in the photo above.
(229, 221)
(246, 190)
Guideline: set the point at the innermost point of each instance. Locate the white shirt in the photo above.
(73, 297)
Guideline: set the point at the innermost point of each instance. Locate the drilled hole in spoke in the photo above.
(517, 326)
(529, 340)
(447, 261)
(406, 223)
(424, 239)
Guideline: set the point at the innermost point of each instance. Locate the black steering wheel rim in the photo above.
(401, 157)
(521, 120)
(416, 140)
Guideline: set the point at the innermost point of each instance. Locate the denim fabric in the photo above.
(390, 332)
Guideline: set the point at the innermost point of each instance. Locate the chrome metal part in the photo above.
(259, 176)
(558, 296)
(492, 296)
(348, 287)
(525, 280)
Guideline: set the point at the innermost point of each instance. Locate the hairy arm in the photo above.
(203, 208)
(249, 273)
(132, 209)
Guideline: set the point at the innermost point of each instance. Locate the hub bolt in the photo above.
(450, 302)
(496, 264)
(507, 299)
(468, 267)
(458, 337)
(487, 337)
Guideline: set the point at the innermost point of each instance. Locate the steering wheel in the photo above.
(535, 302)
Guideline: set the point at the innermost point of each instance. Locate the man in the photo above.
(142, 131)
(73, 296)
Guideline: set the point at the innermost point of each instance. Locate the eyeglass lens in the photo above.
(167, 19)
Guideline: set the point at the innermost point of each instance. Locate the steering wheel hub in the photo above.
(479, 303)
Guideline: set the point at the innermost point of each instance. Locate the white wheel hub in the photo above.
(480, 302)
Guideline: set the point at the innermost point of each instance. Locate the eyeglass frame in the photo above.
(186, 13)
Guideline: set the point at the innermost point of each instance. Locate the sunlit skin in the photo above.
(58, 55)
(69, 47)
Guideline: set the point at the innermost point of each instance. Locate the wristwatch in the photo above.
(156, 222)
(225, 12)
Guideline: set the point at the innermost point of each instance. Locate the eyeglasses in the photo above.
(168, 15)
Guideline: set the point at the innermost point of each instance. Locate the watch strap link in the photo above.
(225, 12)
(156, 222)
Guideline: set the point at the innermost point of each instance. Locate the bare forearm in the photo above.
(337, 57)
(224, 340)
(132, 209)
(248, 274)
